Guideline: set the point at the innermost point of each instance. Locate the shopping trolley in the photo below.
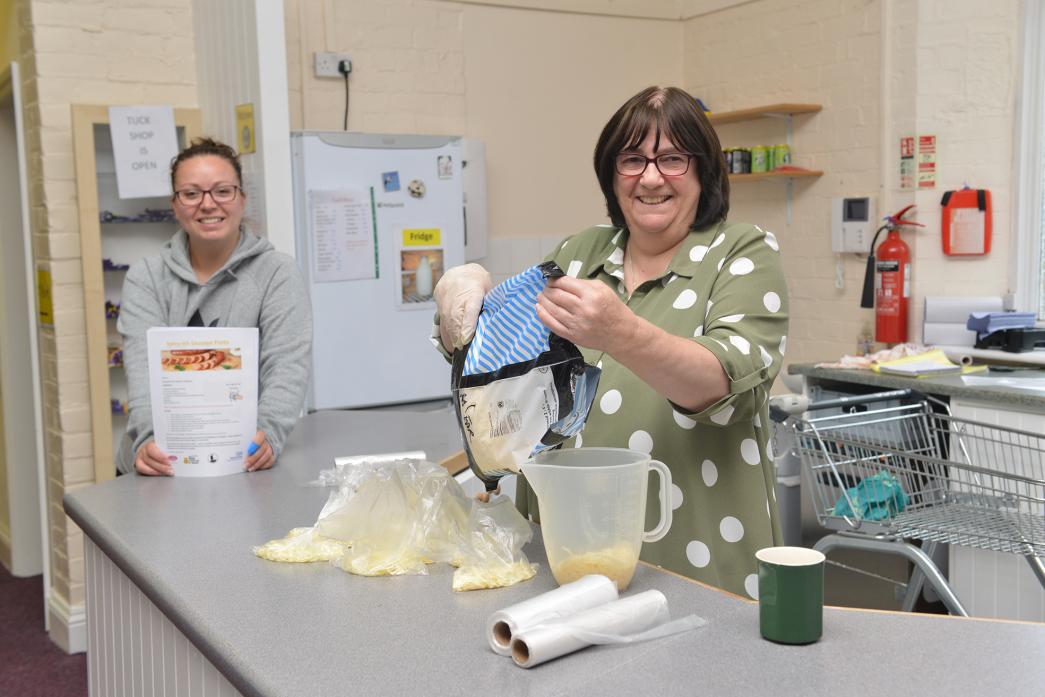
(880, 475)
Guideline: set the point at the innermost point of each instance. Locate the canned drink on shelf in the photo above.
(759, 159)
(741, 161)
(781, 155)
(728, 156)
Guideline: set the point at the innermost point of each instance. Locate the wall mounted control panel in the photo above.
(852, 224)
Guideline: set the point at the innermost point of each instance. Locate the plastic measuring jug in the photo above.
(593, 509)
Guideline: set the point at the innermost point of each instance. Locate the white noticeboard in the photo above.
(203, 386)
(144, 141)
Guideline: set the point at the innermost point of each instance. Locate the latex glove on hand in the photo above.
(459, 298)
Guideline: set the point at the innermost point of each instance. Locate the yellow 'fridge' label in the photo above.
(421, 237)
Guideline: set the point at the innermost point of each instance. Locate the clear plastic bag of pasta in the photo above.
(390, 518)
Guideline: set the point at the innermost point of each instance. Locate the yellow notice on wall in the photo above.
(421, 237)
(245, 128)
(44, 304)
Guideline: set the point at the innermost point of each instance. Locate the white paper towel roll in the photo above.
(638, 618)
(586, 592)
(956, 309)
(944, 322)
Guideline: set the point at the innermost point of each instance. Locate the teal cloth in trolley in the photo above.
(877, 497)
(508, 330)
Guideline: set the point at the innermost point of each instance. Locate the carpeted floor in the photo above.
(31, 665)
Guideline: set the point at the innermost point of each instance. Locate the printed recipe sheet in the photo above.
(204, 391)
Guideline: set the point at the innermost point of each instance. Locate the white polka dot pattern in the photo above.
(720, 263)
(771, 242)
(577, 443)
(731, 529)
(610, 402)
(741, 343)
(741, 267)
(699, 331)
(749, 451)
(722, 417)
(751, 585)
(698, 252)
(783, 345)
(641, 441)
(676, 497)
(772, 301)
(683, 420)
(767, 360)
(698, 554)
(685, 300)
(731, 319)
(574, 268)
(616, 256)
(709, 473)
(718, 240)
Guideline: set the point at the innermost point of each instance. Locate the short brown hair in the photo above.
(207, 146)
(676, 114)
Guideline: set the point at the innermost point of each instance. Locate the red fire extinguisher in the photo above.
(887, 280)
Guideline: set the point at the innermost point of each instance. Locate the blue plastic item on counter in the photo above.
(877, 497)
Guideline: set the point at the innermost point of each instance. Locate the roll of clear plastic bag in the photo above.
(518, 388)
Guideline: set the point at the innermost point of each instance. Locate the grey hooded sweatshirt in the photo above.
(257, 287)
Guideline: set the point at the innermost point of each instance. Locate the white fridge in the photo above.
(378, 219)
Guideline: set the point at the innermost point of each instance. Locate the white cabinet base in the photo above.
(995, 584)
(132, 648)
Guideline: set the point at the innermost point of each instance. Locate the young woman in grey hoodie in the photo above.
(213, 274)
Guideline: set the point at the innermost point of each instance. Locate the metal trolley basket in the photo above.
(963, 482)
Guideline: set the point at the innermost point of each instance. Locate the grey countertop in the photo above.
(312, 629)
(947, 385)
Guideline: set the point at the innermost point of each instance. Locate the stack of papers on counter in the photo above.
(984, 323)
(933, 362)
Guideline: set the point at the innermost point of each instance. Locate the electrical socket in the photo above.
(326, 63)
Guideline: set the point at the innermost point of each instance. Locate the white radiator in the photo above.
(132, 648)
(995, 584)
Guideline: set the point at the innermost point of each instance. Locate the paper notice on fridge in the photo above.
(344, 242)
(203, 386)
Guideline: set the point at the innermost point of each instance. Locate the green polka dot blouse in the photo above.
(725, 289)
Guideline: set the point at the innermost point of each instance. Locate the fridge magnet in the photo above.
(444, 165)
(416, 188)
(390, 180)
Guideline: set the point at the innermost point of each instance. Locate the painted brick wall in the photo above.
(951, 72)
(968, 56)
(89, 52)
(408, 74)
(536, 85)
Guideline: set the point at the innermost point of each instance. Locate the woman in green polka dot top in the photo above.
(686, 314)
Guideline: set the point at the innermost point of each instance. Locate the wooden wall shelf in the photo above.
(758, 112)
(790, 174)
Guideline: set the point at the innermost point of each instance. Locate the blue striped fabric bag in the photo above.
(518, 389)
(508, 330)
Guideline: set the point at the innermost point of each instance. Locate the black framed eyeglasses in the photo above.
(670, 164)
(223, 193)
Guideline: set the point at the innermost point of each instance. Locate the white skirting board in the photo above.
(67, 625)
(996, 584)
(132, 648)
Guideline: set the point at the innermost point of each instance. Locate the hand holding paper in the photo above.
(259, 454)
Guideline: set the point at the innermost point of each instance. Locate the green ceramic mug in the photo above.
(790, 594)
